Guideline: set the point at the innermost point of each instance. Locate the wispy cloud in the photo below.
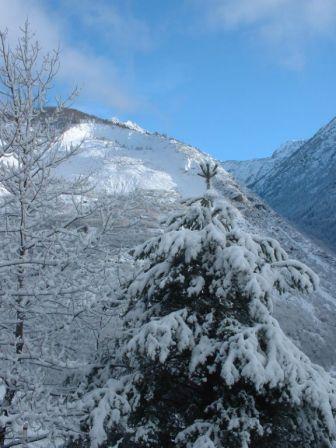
(287, 27)
(107, 22)
(97, 76)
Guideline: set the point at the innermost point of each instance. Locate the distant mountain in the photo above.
(248, 171)
(124, 160)
(298, 181)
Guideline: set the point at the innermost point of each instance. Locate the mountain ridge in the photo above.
(302, 186)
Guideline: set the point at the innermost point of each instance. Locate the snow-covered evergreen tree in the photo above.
(208, 365)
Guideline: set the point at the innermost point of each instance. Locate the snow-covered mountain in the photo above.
(248, 171)
(122, 158)
(300, 184)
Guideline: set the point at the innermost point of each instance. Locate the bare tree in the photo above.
(43, 284)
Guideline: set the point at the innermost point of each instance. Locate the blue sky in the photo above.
(235, 78)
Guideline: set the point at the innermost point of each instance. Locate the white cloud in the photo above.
(13, 14)
(123, 30)
(287, 27)
(97, 79)
(96, 76)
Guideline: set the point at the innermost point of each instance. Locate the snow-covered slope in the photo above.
(121, 159)
(157, 171)
(301, 185)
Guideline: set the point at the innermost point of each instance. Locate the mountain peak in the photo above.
(128, 124)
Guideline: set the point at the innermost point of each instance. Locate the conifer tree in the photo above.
(209, 367)
(208, 171)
